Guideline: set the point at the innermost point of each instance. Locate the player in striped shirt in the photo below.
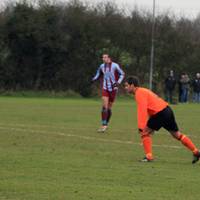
(112, 75)
(154, 113)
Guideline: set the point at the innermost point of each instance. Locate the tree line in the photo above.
(54, 46)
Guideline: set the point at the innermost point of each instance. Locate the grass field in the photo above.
(49, 149)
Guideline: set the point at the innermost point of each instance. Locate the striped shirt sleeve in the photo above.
(121, 74)
(98, 73)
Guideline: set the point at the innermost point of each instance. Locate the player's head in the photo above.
(131, 84)
(106, 58)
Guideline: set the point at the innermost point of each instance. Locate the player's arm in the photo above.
(98, 74)
(142, 113)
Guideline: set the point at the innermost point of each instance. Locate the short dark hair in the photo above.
(107, 55)
(133, 80)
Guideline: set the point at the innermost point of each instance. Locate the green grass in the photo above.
(49, 149)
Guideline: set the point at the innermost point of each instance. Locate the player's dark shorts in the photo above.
(165, 118)
(111, 95)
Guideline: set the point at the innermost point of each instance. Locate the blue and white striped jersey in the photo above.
(112, 73)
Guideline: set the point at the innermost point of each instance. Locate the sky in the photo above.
(188, 8)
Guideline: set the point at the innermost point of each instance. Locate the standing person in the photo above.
(196, 88)
(112, 77)
(179, 89)
(170, 83)
(154, 113)
(185, 85)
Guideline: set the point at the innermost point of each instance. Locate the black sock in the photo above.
(104, 116)
(109, 114)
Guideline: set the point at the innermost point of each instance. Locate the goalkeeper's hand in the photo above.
(115, 86)
(145, 131)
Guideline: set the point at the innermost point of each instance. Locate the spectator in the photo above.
(184, 87)
(170, 83)
(179, 89)
(196, 88)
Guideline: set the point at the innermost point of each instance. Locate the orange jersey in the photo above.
(148, 104)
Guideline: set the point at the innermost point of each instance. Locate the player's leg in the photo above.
(146, 138)
(112, 96)
(109, 111)
(104, 111)
(170, 124)
(187, 142)
(154, 124)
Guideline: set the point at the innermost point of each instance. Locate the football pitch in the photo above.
(49, 149)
